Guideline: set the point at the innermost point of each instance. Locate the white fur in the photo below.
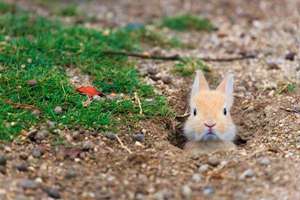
(190, 134)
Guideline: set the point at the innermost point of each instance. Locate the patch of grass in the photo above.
(187, 22)
(68, 10)
(34, 48)
(287, 88)
(188, 66)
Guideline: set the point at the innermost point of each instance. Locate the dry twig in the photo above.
(139, 102)
(175, 57)
(122, 145)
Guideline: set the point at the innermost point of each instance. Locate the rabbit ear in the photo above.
(199, 84)
(226, 86)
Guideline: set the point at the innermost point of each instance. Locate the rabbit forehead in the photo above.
(210, 100)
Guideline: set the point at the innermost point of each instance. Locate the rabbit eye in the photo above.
(225, 111)
(195, 112)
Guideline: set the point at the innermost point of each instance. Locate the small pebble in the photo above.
(87, 145)
(28, 184)
(23, 156)
(264, 161)
(196, 178)
(36, 152)
(247, 174)
(51, 124)
(110, 135)
(290, 56)
(3, 160)
(75, 135)
(152, 70)
(2, 169)
(32, 82)
(208, 190)
(58, 110)
(213, 161)
(203, 168)
(186, 191)
(41, 135)
(36, 112)
(163, 194)
(22, 167)
(154, 78)
(166, 79)
(140, 137)
(70, 174)
(52, 192)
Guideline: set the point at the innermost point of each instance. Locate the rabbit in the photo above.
(210, 119)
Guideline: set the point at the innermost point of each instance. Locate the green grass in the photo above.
(187, 22)
(34, 48)
(188, 66)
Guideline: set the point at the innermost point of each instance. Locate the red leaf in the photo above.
(89, 90)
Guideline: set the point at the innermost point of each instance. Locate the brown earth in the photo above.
(93, 166)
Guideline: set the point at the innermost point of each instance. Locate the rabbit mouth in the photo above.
(210, 136)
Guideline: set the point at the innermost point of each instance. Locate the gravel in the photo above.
(3, 160)
(208, 190)
(213, 161)
(52, 192)
(264, 161)
(36, 152)
(140, 137)
(247, 174)
(28, 184)
(186, 192)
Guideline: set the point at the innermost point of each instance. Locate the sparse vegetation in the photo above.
(187, 22)
(188, 66)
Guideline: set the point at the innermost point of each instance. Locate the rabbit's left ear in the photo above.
(226, 86)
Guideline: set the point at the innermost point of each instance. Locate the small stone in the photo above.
(36, 152)
(41, 135)
(186, 191)
(58, 110)
(203, 168)
(52, 192)
(290, 56)
(140, 137)
(110, 135)
(272, 65)
(28, 184)
(36, 112)
(196, 178)
(51, 124)
(21, 197)
(22, 167)
(208, 190)
(166, 79)
(96, 98)
(75, 135)
(3, 160)
(152, 70)
(163, 194)
(247, 174)
(213, 161)
(264, 161)
(87, 145)
(23, 156)
(70, 174)
(2, 169)
(154, 77)
(32, 82)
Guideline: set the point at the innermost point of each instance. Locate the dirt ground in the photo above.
(267, 166)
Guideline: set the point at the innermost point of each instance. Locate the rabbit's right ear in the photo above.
(200, 83)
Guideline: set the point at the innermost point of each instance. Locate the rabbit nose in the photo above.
(209, 125)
